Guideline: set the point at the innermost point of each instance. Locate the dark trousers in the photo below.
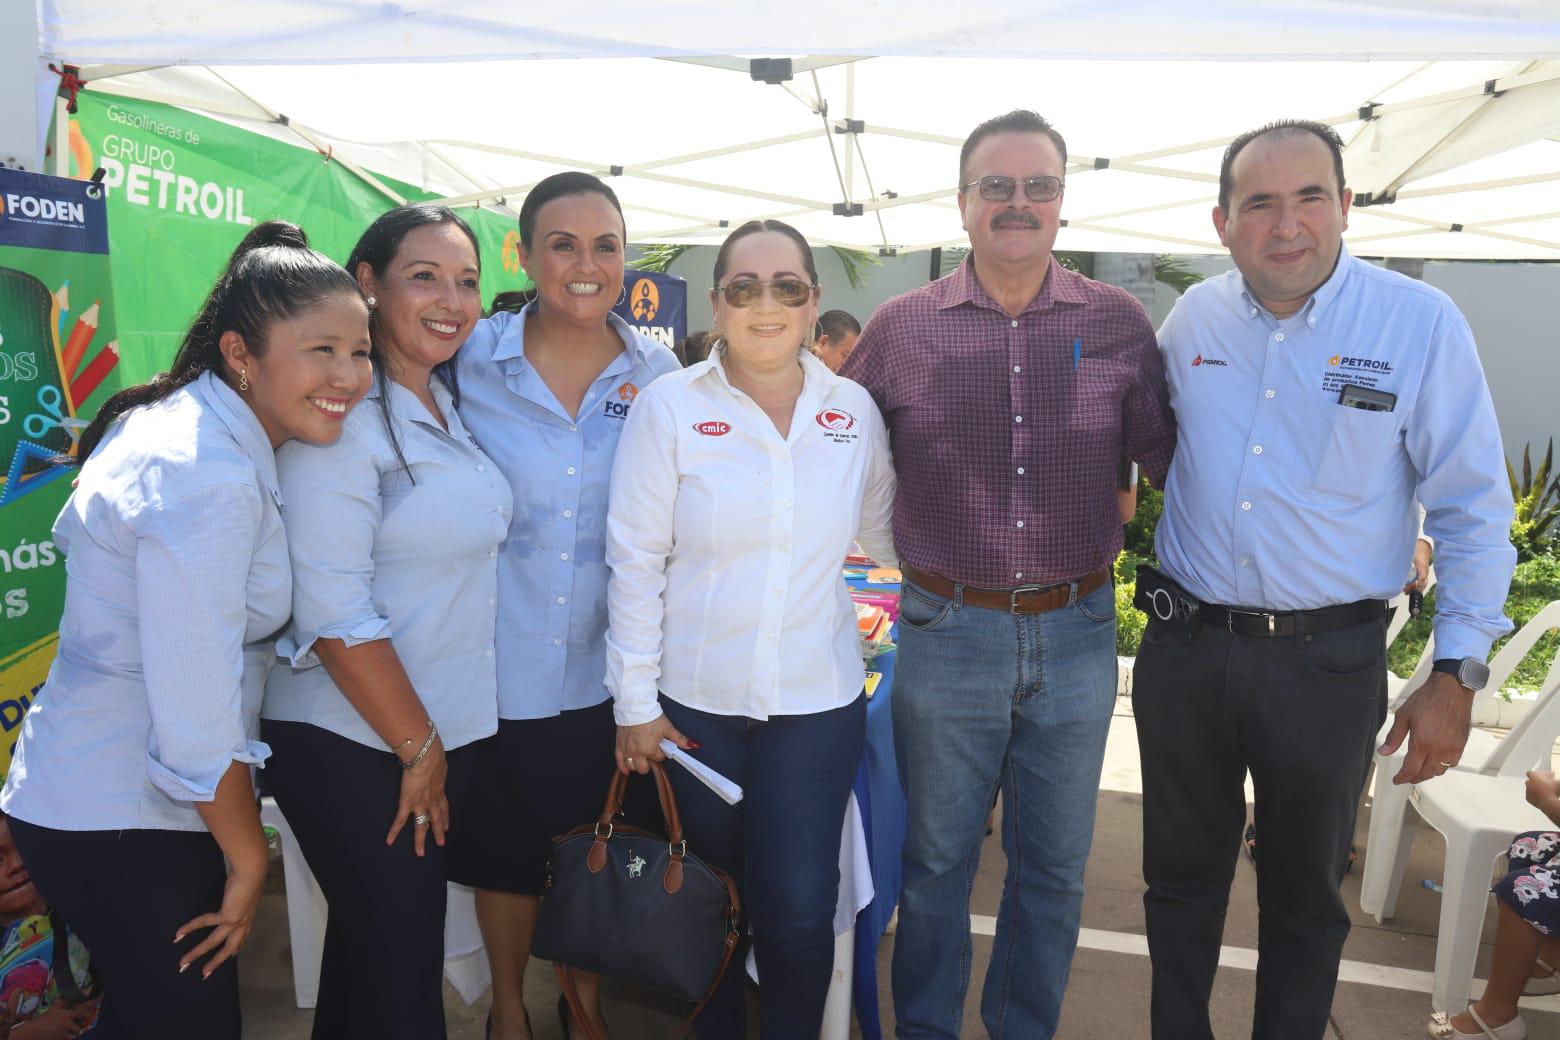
(1301, 716)
(782, 845)
(382, 974)
(126, 893)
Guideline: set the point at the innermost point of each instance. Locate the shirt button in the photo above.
(492, 602)
(1269, 394)
(1257, 450)
(567, 513)
(1015, 324)
(481, 468)
(1018, 418)
(1020, 574)
(490, 653)
(574, 429)
(1245, 505)
(1021, 471)
(786, 504)
(492, 552)
(563, 556)
(1020, 523)
(562, 600)
(1278, 337)
(557, 642)
(1244, 561)
(771, 637)
(1018, 368)
(571, 471)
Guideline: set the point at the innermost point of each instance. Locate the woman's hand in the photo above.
(638, 746)
(231, 924)
(422, 797)
(60, 1022)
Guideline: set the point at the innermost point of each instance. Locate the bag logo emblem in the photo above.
(636, 866)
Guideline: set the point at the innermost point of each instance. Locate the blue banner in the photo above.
(656, 305)
(39, 212)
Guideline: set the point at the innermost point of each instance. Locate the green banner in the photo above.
(182, 189)
(58, 361)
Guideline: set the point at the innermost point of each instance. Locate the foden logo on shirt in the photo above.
(1200, 360)
(712, 428)
(619, 409)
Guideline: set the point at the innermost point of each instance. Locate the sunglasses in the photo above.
(999, 189)
(744, 292)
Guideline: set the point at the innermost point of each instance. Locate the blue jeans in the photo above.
(782, 845)
(985, 698)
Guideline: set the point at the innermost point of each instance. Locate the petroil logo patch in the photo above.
(644, 300)
(712, 428)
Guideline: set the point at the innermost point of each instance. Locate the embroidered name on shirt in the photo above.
(1199, 360)
(713, 428)
(837, 425)
(1366, 372)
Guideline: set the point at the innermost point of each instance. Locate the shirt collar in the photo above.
(1311, 311)
(511, 344)
(1061, 286)
(407, 405)
(816, 377)
(244, 426)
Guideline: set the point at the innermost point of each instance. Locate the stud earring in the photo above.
(372, 303)
(243, 379)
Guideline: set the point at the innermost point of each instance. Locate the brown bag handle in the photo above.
(614, 803)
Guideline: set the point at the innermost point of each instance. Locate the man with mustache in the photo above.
(1011, 389)
(1317, 395)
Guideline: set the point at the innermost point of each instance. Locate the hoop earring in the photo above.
(243, 380)
(622, 296)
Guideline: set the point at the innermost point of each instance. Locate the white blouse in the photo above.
(726, 541)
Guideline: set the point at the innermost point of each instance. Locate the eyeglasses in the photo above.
(996, 188)
(744, 292)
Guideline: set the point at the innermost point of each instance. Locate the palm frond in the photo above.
(659, 256)
(1173, 272)
(856, 262)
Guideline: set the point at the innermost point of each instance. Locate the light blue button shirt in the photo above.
(176, 579)
(380, 553)
(1281, 498)
(552, 573)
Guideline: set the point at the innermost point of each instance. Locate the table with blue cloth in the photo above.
(882, 804)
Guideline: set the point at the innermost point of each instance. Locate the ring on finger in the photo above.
(420, 819)
(630, 759)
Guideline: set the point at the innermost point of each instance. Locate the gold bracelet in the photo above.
(422, 752)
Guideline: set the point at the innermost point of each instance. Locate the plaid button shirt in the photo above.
(1007, 431)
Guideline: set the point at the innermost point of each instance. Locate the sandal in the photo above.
(1441, 1028)
(1545, 985)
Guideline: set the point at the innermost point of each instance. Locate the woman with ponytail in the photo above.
(131, 782)
(387, 669)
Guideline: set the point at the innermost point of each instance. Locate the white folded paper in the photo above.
(728, 792)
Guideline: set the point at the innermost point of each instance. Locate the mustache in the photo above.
(1010, 219)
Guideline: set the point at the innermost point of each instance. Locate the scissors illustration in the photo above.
(38, 424)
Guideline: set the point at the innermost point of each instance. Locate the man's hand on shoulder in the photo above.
(1435, 720)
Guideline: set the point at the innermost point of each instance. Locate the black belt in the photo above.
(1240, 621)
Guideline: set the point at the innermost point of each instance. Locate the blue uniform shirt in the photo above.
(1282, 498)
(552, 571)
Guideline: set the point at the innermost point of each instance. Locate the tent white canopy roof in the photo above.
(1467, 151)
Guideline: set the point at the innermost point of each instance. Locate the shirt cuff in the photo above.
(203, 788)
(352, 633)
(636, 710)
(1456, 641)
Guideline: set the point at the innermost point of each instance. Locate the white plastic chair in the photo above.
(306, 911)
(1478, 813)
(1391, 830)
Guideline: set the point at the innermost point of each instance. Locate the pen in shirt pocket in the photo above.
(1077, 352)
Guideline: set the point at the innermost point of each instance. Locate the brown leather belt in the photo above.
(1024, 599)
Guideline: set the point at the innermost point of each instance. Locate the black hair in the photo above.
(1283, 128)
(272, 276)
(835, 324)
(377, 248)
(753, 227)
(1018, 121)
(694, 348)
(570, 182)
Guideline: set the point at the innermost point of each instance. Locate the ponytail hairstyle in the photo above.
(378, 248)
(272, 276)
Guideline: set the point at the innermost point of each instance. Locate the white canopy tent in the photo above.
(1458, 158)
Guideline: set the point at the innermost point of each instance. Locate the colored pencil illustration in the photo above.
(80, 339)
(62, 309)
(92, 376)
